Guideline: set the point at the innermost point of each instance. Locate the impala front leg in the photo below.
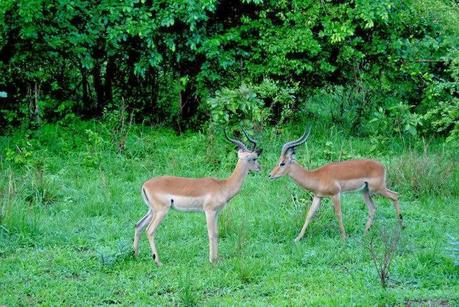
(211, 218)
(312, 210)
(156, 220)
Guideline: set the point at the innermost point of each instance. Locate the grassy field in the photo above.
(70, 199)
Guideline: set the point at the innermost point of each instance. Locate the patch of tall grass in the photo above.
(16, 215)
(423, 174)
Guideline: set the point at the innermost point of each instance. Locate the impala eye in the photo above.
(282, 163)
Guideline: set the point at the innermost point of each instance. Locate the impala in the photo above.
(333, 179)
(194, 194)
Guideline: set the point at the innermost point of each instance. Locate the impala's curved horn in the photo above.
(293, 144)
(251, 140)
(238, 143)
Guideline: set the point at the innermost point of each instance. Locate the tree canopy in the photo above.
(372, 66)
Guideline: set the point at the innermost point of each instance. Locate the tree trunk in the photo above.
(99, 89)
(34, 108)
(188, 104)
(109, 75)
(150, 92)
(84, 85)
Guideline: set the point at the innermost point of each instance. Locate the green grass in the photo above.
(69, 202)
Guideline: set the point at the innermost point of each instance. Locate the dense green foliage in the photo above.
(70, 196)
(371, 66)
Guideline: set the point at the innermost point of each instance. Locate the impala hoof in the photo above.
(156, 260)
(213, 261)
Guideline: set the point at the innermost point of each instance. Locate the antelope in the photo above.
(194, 194)
(331, 180)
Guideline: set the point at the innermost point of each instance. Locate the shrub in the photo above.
(233, 106)
(268, 101)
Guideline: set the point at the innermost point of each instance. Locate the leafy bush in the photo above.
(442, 115)
(279, 98)
(236, 106)
(396, 118)
(253, 104)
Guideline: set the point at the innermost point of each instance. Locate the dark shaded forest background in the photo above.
(372, 67)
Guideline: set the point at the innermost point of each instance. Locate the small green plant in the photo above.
(382, 245)
(95, 145)
(187, 294)
(245, 272)
(119, 122)
(226, 223)
(39, 187)
(21, 155)
(109, 257)
(453, 249)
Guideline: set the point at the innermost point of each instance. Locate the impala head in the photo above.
(287, 156)
(249, 156)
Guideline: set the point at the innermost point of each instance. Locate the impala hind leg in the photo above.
(157, 218)
(138, 230)
(339, 215)
(312, 210)
(394, 197)
(371, 209)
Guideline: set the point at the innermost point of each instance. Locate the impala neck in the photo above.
(302, 176)
(234, 182)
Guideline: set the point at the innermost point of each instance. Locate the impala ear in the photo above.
(290, 154)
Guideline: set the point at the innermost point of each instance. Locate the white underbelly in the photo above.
(352, 185)
(185, 203)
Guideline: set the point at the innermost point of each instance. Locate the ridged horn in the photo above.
(238, 143)
(251, 140)
(293, 144)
